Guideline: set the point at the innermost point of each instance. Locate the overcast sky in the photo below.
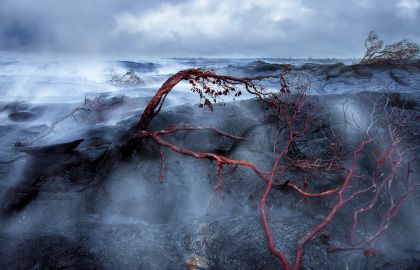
(204, 28)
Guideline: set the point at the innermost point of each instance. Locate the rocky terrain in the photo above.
(71, 200)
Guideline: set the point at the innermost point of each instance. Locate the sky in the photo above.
(204, 28)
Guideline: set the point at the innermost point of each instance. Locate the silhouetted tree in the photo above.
(398, 52)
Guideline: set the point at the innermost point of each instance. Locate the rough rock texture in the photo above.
(70, 201)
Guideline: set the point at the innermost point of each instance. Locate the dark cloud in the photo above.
(295, 28)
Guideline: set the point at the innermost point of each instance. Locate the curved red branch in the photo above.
(206, 79)
(210, 86)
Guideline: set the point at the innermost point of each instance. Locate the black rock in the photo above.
(22, 116)
(145, 67)
(53, 148)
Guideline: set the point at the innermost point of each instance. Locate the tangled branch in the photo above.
(398, 52)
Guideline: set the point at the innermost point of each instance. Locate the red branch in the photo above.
(204, 83)
(310, 235)
(210, 86)
(393, 53)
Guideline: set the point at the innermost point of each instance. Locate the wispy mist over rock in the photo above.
(203, 134)
(66, 186)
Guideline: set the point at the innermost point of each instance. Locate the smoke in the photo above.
(129, 209)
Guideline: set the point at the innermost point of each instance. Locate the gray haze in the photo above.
(209, 28)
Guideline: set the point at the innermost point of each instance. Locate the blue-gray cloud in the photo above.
(285, 28)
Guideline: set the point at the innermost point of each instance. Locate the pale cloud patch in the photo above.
(408, 8)
(249, 28)
(210, 19)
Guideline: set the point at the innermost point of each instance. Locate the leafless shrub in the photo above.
(399, 52)
(130, 78)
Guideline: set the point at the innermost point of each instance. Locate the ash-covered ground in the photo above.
(68, 201)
